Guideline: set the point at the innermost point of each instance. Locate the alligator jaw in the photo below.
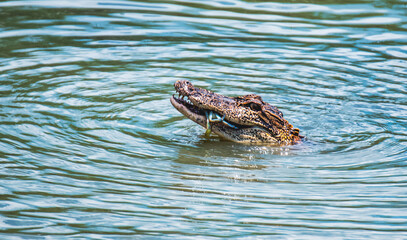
(236, 133)
(189, 110)
(244, 119)
(205, 118)
(226, 130)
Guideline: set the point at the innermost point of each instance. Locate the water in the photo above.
(92, 148)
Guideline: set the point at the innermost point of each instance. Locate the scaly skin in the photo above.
(246, 119)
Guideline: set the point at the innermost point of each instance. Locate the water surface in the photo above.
(92, 148)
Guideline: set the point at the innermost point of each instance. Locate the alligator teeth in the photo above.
(184, 98)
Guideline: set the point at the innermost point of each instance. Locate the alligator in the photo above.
(243, 119)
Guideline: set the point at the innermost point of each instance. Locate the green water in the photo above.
(92, 148)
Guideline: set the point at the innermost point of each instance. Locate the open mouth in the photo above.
(201, 116)
(185, 102)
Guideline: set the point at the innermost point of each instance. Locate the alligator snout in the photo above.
(184, 87)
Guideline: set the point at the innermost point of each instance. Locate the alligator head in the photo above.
(245, 119)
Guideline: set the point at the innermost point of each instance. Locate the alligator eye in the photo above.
(295, 131)
(255, 107)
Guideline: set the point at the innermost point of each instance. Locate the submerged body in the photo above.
(244, 119)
